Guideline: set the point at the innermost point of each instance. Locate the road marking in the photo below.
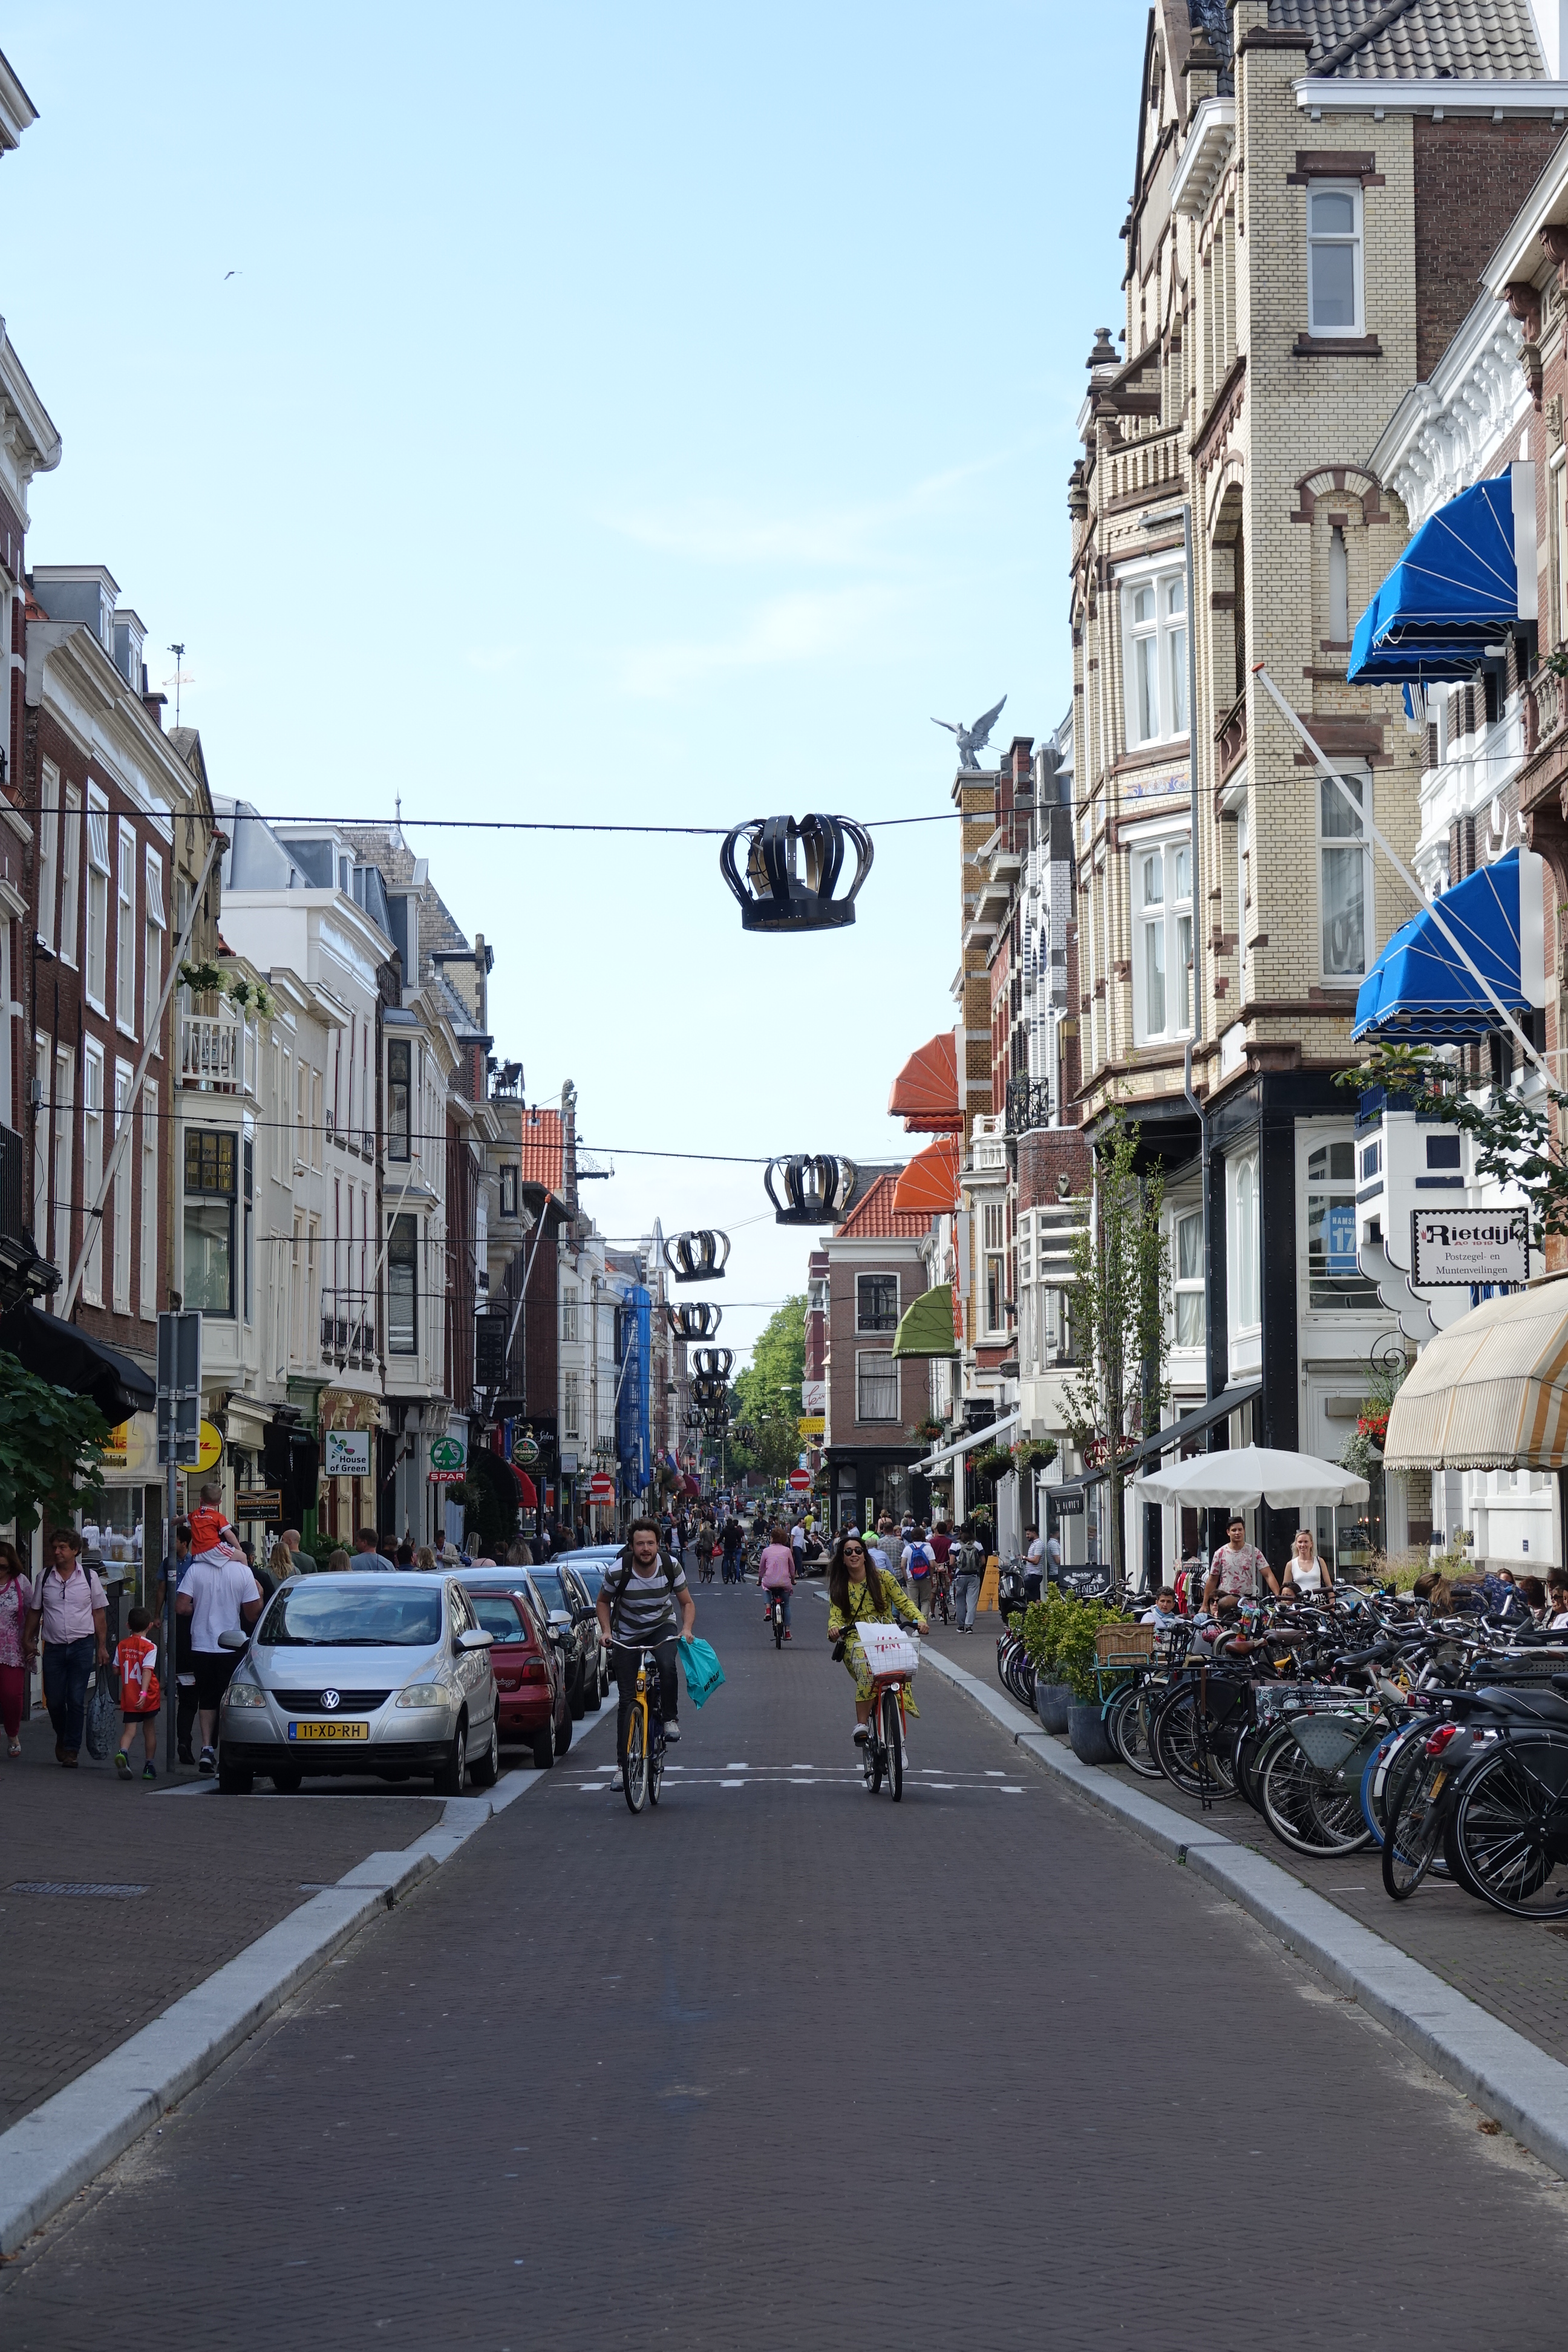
(731, 1784)
(1006, 1790)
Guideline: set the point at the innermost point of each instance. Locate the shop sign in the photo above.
(264, 1503)
(450, 1454)
(812, 1424)
(345, 1453)
(524, 1448)
(1454, 1246)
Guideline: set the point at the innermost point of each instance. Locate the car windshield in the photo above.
(365, 1616)
(499, 1615)
(592, 1576)
(550, 1590)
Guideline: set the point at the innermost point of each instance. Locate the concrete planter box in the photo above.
(1086, 1735)
(1052, 1701)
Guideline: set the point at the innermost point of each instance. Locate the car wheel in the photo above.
(564, 1736)
(577, 1702)
(452, 1777)
(486, 1770)
(543, 1750)
(231, 1781)
(287, 1784)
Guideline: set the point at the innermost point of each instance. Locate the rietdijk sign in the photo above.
(1449, 1247)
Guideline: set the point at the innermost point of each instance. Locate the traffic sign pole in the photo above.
(179, 1445)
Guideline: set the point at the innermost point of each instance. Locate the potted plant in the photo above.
(1034, 1453)
(994, 1462)
(930, 1430)
(1086, 1730)
(1045, 1626)
(202, 979)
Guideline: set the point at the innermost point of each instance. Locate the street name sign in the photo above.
(1451, 1247)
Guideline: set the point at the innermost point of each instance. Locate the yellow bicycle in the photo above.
(642, 1765)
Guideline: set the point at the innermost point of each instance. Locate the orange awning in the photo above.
(929, 1185)
(925, 1092)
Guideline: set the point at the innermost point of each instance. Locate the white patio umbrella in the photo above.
(1247, 1475)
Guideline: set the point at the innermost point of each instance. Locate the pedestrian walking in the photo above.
(70, 1610)
(368, 1553)
(893, 1546)
(219, 1596)
(303, 1563)
(280, 1564)
(968, 1563)
(919, 1562)
(135, 1662)
(15, 1599)
(179, 1566)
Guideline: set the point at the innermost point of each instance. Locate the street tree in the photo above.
(767, 1394)
(51, 1449)
(1120, 1308)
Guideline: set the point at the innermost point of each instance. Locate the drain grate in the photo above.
(69, 1887)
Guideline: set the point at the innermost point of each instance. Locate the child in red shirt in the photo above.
(209, 1528)
(135, 1662)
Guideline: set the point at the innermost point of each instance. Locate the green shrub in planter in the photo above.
(1075, 1644)
(1044, 1621)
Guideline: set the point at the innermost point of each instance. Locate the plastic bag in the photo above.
(699, 1662)
(103, 1715)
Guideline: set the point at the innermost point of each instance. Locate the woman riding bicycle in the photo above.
(858, 1592)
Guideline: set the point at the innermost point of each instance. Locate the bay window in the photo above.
(211, 1190)
(402, 1288)
(398, 1121)
(1163, 940)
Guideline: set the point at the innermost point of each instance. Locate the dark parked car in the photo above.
(531, 1675)
(571, 1609)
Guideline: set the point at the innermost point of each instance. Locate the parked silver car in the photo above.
(363, 1673)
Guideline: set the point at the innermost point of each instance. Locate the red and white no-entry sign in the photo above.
(601, 1489)
(799, 1480)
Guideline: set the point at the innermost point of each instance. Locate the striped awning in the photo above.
(929, 1185)
(1491, 1392)
(925, 1092)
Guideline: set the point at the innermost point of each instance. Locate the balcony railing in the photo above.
(1231, 736)
(987, 1147)
(211, 1044)
(348, 1329)
(1028, 1105)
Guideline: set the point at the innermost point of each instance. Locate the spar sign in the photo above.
(1451, 1247)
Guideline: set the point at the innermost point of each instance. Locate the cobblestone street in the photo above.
(710, 2078)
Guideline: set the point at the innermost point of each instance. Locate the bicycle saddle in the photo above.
(1529, 1706)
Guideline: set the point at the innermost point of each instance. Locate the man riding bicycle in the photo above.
(637, 1603)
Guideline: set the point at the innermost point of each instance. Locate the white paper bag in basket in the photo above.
(890, 1650)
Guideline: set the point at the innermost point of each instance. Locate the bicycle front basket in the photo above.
(1325, 1740)
(888, 1648)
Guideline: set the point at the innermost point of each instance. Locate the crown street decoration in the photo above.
(774, 895)
(698, 1257)
(817, 1188)
(707, 1390)
(714, 1361)
(699, 1320)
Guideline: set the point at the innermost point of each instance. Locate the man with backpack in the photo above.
(968, 1563)
(638, 1602)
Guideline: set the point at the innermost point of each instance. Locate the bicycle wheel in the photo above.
(1307, 1809)
(1187, 1758)
(1412, 1820)
(871, 1757)
(656, 1769)
(634, 1763)
(893, 1740)
(1249, 1748)
(1511, 1827)
(1377, 1780)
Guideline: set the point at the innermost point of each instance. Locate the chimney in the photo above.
(153, 706)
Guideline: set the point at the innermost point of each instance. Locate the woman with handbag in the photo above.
(859, 1593)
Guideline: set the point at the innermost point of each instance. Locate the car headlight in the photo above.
(425, 1694)
(245, 1695)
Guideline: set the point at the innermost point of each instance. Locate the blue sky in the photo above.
(620, 414)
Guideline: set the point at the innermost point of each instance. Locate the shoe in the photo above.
(67, 1758)
(149, 1771)
(862, 1733)
(672, 1734)
(209, 1763)
(788, 1635)
(185, 1755)
(122, 1763)
(59, 1751)
(14, 1748)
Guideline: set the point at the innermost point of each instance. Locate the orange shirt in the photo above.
(135, 1660)
(207, 1528)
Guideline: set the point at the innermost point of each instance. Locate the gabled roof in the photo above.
(1473, 40)
(544, 1150)
(874, 1217)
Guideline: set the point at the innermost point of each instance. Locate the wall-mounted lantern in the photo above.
(698, 1320)
(697, 1258)
(776, 894)
(816, 1188)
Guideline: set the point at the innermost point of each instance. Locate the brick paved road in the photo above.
(103, 1966)
(779, 2066)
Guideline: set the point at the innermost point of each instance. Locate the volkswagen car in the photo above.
(362, 1673)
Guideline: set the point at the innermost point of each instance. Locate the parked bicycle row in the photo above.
(1360, 1720)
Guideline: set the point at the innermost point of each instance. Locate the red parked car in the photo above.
(530, 1678)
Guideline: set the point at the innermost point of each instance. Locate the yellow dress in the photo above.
(862, 1607)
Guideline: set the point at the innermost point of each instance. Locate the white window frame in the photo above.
(41, 1140)
(875, 1420)
(125, 930)
(1167, 920)
(570, 1405)
(157, 923)
(149, 1236)
(47, 888)
(119, 1274)
(1311, 1139)
(71, 873)
(1343, 846)
(1354, 238)
(95, 957)
(877, 1274)
(64, 1106)
(1164, 630)
(1191, 1221)
(569, 1303)
(1245, 1284)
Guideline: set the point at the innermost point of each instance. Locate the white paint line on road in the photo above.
(54, 2151)
(731, 1784)
(1505, 2073)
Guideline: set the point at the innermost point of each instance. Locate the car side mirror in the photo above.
(473, 1637)
(234, 1641)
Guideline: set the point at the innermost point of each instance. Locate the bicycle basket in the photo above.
(888, 1648)
(1325, 1740)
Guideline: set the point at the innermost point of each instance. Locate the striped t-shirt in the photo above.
(645, 1611)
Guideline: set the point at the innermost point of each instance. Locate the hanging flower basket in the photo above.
(994, 1464)
(930, 1430)
(1035, 1453)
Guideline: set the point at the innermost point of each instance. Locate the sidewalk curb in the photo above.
(1506, 2076)
(61, 2145)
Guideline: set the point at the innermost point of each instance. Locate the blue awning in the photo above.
(1453, 591)
(1419, 993)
